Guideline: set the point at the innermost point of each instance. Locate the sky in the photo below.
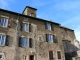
(65, 12)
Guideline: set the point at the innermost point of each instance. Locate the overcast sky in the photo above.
(65, 12)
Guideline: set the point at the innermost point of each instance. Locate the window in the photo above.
(48, 26)
(59, 54)
(31, 57)
(24, 42)
(3, 22)
(49, 38)
(25, 27)
(2, 40)
(50, 55)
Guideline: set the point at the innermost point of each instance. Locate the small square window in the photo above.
(3, 22)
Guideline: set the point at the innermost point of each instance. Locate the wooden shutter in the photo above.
(55, 39)
(52, 27)
(46, 37)
(7, 40)
(21, 26)
(0, 19)
(30, 28)
(59, 54)
(45, 25)
(9, 22)
(20, 42)
(30, 42)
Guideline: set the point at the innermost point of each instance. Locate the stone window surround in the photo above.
(48, 54)
(22, 36)
(57, 55)
(28, 25)
(4, 17)
(4, 39)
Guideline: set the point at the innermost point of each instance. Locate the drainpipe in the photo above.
(15, 43)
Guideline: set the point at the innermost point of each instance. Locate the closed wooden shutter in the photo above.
(30, 42)
(21, 26)
(45, 25)
(52, 27)
(9, 22)
(46, 35)
(20, 42)
(0, 19)
(7, 40)
(55, 39)
(30, 28)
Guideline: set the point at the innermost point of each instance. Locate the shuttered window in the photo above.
(50, 55)
(59, 54)
(49, 26)
(3, 22)
(24, 42)
(4, 40)
(25, 27)
(49, 38)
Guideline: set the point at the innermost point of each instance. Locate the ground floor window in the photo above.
(50, 55)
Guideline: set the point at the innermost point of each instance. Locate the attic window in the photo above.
(31, 14)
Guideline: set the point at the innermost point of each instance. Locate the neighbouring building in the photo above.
(26, 37)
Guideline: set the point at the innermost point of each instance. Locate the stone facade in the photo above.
(41, 48)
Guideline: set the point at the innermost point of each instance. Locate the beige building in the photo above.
(26, 37)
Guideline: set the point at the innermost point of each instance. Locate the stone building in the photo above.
(26, 37)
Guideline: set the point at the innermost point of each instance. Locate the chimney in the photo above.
(30, 11)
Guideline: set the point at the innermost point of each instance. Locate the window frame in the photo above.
(4, 18)
(4, 40)
(60, 54)
(49, 36)
(48, 26)
(27, 26)
(26, 43)
(52, 57)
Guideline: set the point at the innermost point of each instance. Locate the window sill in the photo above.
(3, 26)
